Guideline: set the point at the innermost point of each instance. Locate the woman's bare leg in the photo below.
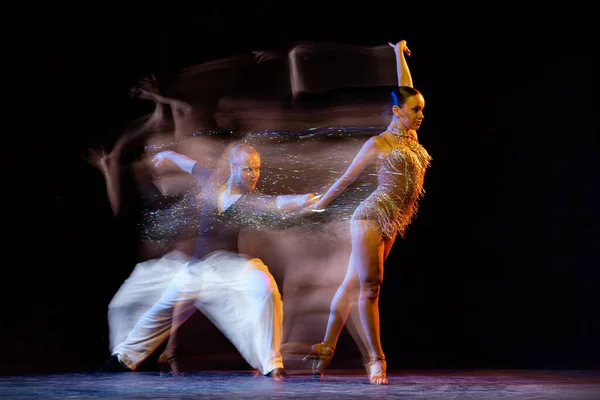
(354, 324)
(368, 251)
(342, 301)
(365, 269)
(388, 243)
(341, 304)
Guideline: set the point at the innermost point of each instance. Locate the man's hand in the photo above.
(162, 158)
(296, 203)
(312, 200)
(311, 203)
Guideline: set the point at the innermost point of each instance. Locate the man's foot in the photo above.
(278, 374)
(114, 365)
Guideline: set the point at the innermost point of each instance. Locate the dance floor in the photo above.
(338, 384)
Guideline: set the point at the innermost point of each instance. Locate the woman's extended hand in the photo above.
(400, 46)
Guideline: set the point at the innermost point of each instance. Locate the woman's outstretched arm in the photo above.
(367, 155)
(404, 77)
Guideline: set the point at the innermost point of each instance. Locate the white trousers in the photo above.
(239, 295)
(139, 292)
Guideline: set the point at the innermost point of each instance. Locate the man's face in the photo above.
(246, 171)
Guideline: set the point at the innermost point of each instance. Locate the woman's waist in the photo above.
(389, 199)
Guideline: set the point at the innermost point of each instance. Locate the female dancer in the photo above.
(401, 163)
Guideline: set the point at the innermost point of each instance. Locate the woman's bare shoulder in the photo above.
(380, 139)
(383, 140)
(373, 144)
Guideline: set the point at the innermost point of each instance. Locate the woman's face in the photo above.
(411, 113)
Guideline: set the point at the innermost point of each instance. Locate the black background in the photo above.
(500, 269)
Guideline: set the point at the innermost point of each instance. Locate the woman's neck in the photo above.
(399, 130)
(396, 129)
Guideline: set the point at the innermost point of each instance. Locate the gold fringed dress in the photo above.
(400, 178)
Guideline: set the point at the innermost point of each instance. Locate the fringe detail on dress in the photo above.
(394, 202)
